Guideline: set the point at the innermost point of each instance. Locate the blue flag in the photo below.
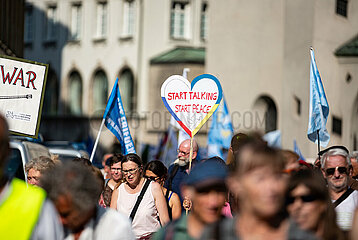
(319, 109)
(168, 147)
(220, 132)
(297, 150)
(273, 139)
(116, 122)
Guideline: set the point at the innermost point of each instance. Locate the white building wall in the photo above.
(266, 44)
(245, 52)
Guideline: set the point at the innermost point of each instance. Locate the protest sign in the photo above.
(21, 94)
(191, 104)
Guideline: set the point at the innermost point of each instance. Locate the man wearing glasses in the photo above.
(180, 169)
(336, 168)
(116, 177)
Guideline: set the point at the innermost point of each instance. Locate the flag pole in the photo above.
(319, 145)
(96, 143)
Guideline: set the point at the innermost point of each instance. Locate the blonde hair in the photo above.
(40, 164)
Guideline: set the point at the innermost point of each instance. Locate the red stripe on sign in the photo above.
(185, 128)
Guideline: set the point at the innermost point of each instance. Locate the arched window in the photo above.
(126, 81)
(75, 94)
(266, 108)
(51, 94)
(100, 91)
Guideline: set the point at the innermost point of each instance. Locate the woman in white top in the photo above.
(152, 211)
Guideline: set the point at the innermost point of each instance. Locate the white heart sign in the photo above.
(191, 104)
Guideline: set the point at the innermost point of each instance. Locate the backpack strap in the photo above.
(106, 182)
(139, 199)
(343, 197)
(170, 187)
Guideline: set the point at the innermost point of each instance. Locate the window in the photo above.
(29, 25)
(76, 20)
(14, 166)
(179, 22)
(128, 18)
(51, 22)
(75, 94)
(51, 94)
(341, 7)
(101, 27)
(100, 91)
(204, 21)
(298, 105)
(265, 109)
(126, 87)
(337, 125)
(348, 78)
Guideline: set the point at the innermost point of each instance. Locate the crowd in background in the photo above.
(258, 193)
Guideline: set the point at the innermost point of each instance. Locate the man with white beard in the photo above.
(180, 169)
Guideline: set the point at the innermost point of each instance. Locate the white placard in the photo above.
(191, 104)
(21, 94)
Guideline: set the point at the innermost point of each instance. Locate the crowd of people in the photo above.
(259, 192)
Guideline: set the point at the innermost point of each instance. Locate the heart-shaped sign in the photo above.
(191, 104)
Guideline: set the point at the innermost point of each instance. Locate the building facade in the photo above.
(265, 74)
(88, 44)
(259, 50)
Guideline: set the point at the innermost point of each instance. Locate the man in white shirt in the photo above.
(75, 190)
(336, 168)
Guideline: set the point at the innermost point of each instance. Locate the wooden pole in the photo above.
(191, 153)
(190, 160)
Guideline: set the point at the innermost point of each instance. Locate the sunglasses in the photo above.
(341, 170)
(152, 178)
(304, 198)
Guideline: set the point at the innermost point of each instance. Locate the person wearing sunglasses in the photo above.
(152, 210)
(156, 171)
(259, 183)
(336, 168)
(309, 205)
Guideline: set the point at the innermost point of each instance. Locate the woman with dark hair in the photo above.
(309, 204)
(156, 171)
(141, 194)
